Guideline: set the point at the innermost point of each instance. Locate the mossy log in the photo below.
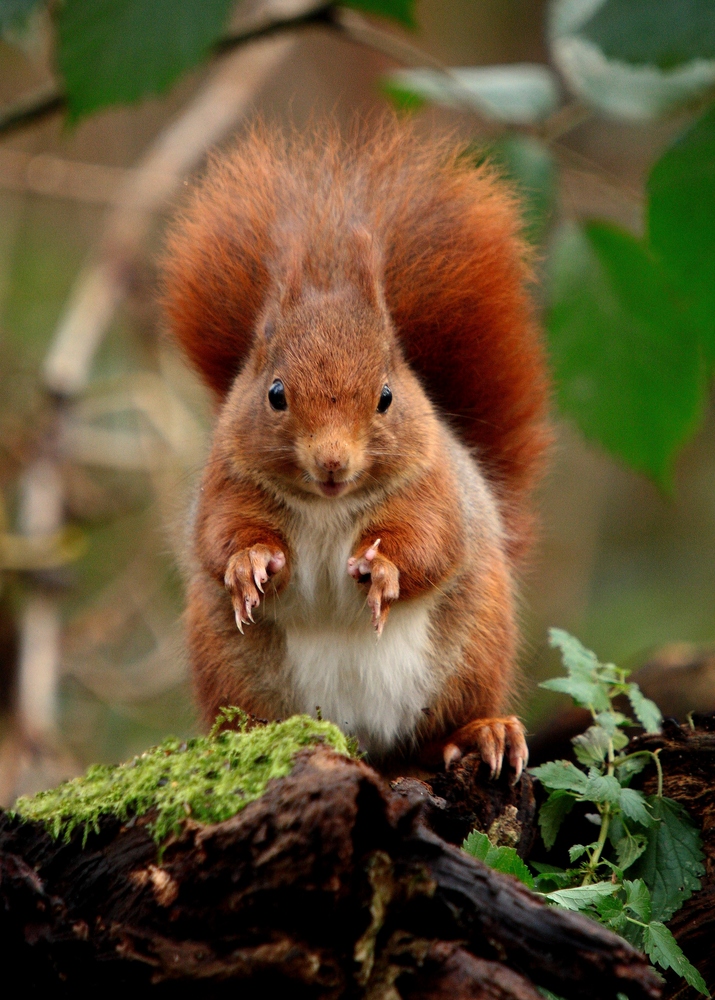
(332, 884)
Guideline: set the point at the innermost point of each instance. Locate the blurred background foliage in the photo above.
(600, 111)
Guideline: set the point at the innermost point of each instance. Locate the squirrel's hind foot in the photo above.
(490, 738)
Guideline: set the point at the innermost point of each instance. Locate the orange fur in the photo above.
(339, 265)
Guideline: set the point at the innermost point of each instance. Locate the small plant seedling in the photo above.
(650, 837)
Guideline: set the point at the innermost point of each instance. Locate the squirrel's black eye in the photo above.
(277, 396)
(385, 399)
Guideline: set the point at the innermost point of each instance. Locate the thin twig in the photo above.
(102, 284)
(31, 107)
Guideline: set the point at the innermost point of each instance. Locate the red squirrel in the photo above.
(360, 308)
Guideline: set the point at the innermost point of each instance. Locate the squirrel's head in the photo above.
(326, 404)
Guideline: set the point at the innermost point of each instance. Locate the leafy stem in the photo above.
(647, 842)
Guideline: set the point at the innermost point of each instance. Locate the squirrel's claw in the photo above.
(382, 578)
(490, 738)
(246, 572)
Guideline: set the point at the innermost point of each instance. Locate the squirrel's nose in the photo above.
(331, 456)
(330, 462)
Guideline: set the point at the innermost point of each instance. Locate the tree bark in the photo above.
(331, 885)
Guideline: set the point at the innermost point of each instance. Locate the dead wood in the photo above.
(687, 755)
(330, 885)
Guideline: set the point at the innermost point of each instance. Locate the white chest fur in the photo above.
(373, 689)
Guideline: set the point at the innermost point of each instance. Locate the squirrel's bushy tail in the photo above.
(455, 272)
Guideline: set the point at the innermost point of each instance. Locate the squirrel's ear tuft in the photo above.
(366, 266)
(291, 285)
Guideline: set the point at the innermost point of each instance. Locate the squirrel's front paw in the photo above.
(383, 577)
(246, 572)
(490, 738)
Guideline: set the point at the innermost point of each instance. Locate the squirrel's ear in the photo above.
(291, 287)
(366, 266)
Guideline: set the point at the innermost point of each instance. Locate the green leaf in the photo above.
(635, 92)
(530, 166)
(591, 747)
(634, 765)
(14, 13)
(611, 721)
(625, 357)
(402, 11)
(401, 95)
(638, 898)
(117, 51)
(647, 712)
(634, 806)
(549, 875)
(664, 33)
(506, 860)
(477, 844)
(681, 221)
(610, 912)
(519, 94)
(561, 774)
(602, 788)
(501, 859)
(578, 850)
(619, 739)
(581, 896)
(673, 859)
(662, 949)
(582, 666)
(629, 849)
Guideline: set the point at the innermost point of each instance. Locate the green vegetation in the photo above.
(649, 836)
(208, 778)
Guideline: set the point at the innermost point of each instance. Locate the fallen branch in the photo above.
(330, 885)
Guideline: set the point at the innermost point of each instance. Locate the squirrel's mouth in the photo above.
(331, 488)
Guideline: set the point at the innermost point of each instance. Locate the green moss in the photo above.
(209, 778)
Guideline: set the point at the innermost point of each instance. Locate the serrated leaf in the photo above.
(634, 806)
(611, 721)
(118, 51)
(582, 666)
(477, 844)
(501, 859)
(581, 896)
(609, 907)
(672, 862)
(619, 740)
(638, 898)
(602, 788)
(625, 356)
(629, 849)
(518, 93)
(579, 661)
(578, 850)
(628, 768)
(665, 34)
(591, 747)
(585, 693)
(402, 11)
(681, 221)
(561, 774)
(646, 711)
(610, 912)
(506, 860)
(662, 949)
